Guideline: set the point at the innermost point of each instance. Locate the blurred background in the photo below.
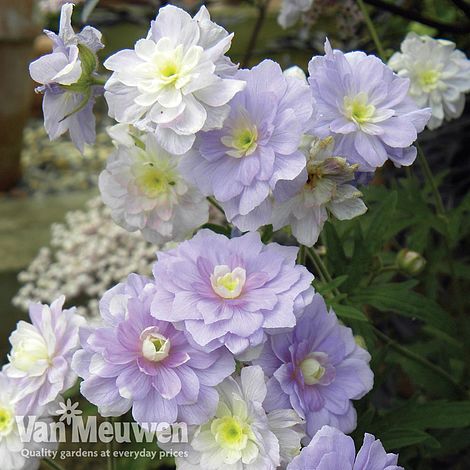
(54, 232)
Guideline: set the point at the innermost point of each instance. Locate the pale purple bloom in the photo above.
(14, 447)
(145, 191)
(366, 108)
(41, 354)
(330, 449)
(230, 292)
(317, 369)
(135, 361)
(173, 83)
(258, 145)
(65, 76)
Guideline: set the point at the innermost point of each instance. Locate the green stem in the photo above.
(215, 204)
(430, 179)
(52, 464)
(317, 261)
(417, 358)
(301, 255)
(372, 30)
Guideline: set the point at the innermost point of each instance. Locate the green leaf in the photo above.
(397, 297)
(397, 438)
(349, 312)
(218, 229)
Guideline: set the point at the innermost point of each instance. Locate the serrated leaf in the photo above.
(349, 312)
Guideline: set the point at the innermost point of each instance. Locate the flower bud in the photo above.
(410, 262)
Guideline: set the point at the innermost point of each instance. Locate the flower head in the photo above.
(241, 434)
(317, 369)
(439, 75)
(365, 107)
(66, 76)
(322, 187)
(173, 82)
(257, 146)
(41, 353)
(230, 292)
(145, 191)
(331, 449)
(136, 361)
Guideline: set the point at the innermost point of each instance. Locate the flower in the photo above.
(291, 10)
(257, 147)
(322, 188)
(41, 354)
(317, 369)
(16, 452)
(144, 189)
(173, 82)
(136, 361)
(242, 435)
(439, 75)
(365, 107)
(230, 292)
(67, 78)
(331, 449)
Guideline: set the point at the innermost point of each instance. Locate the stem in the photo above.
(301, 255)
(317, 261)
(417, 358)
(52, 464)
(430, 179)
(262, 10)
(372, 30)
(215, 204)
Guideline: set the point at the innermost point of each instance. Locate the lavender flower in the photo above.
(242, 435)
(41, 354)
(135, 361)
(67, 78)
(439, 75)
(365, 107)
(145, 191)
(13, 445)
(230, 292)
(173, 83)
(317, 370)
(257, 146)
(322, 188)
(331, 449)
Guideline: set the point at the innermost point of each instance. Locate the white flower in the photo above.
(242, 436)
(439, 75)
(291, 10)
(11, 443)
(42, 352)
(322, 188)
(171, 83)
(142, 186)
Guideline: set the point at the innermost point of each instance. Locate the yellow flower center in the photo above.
(357, 108)
(244, 138)
(312, 371)
(231, 432)
(226, 283)
(155, 181)
(428, 79)
(6, 420)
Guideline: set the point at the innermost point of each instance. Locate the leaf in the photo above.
(325, 287)
(397, 297)
(335, 251)
(397, 438)
(349, 312)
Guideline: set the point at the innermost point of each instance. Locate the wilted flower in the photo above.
(69, 85)
(230, 292)
(41, 354)
(14, 449)
(331, 449)
(365, 107)
(257, 146)
(242, 435)
(135, 361)
(439, 75)
(145, 191)
(323, 188)
(173, 83)
(317, 369)
(291, 10)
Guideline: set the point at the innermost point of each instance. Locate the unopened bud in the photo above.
(410, 262)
